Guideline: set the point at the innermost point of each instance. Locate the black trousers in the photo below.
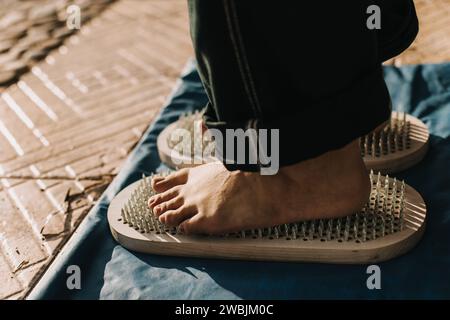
(311, 69)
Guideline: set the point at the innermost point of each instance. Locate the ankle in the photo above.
(353, 174)
(361, 192)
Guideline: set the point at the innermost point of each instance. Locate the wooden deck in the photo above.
(67, 125)
(432, 44)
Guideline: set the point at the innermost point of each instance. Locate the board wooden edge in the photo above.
(387, 164)
(372, 251)
(405, 159)
(167, 154)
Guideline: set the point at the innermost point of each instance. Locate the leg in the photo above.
(322, 95)
(294, 66)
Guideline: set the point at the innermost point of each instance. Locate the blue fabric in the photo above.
(109, 271)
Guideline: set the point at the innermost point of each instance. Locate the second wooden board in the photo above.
(390, 224)
(397, 146)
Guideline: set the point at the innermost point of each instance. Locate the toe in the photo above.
(173, 179)
(171, 204)
(193, 225)
(163, 197)
(175, 217)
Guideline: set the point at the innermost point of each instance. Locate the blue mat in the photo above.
(109, 271)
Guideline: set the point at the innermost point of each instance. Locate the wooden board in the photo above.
(391, 162)
(171, 157)
(311, 248)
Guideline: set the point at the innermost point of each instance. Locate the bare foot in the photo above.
(209, 199)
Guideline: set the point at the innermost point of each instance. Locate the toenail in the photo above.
(162, 219)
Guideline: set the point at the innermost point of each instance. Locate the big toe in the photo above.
(199, 224)
(175, 217)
